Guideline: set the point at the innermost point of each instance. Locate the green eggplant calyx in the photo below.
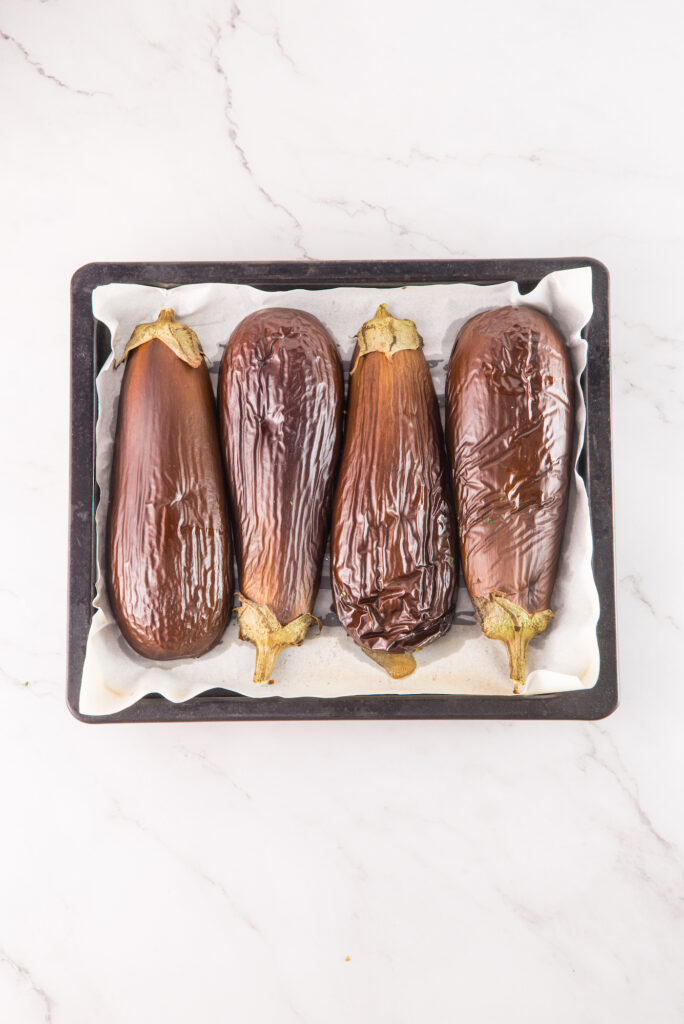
(180, 338)
(504, 620)
(384, 333)
(396, 663)
(260, 627)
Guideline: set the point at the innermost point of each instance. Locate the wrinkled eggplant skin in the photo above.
(168, 539)
(393, 535)
(509, 431)
(281, 393)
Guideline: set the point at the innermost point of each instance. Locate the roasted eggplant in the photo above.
(509, 416)
(280, 410)
(393, 539)
(168, 539)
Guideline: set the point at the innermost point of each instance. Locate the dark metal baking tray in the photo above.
(89, 348)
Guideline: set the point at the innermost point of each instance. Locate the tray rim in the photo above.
(584, 705)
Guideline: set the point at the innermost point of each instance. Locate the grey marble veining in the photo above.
(380, 872)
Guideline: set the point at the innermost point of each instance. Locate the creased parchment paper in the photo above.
(565, 657)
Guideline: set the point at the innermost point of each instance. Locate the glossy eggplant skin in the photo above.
(280, 400)
(509, 414)
(168, 540)
(393, 540)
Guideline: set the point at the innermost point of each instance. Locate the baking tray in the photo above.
(90, 345)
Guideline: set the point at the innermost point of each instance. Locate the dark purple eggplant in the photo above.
(280, 410)
(393, 537)
(168, 539)
(509, 406)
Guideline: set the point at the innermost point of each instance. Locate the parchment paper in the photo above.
(565, 657)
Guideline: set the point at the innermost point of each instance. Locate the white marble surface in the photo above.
(370, 872)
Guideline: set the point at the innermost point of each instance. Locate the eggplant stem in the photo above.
(384, 333)
(396, 663)
(504, 620)
(180, 338)
(259, 626)
(266, 657)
